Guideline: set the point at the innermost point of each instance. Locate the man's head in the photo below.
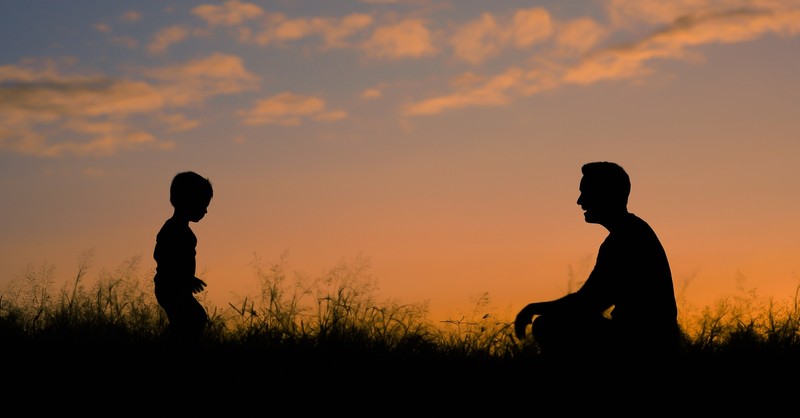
(605, 187)
(191, 193)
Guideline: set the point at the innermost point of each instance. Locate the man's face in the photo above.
(594, 203)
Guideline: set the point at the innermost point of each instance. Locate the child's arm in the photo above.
(198, 285)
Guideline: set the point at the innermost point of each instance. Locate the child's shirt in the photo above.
(175, 255)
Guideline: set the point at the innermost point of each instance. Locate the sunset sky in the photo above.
(439, 140)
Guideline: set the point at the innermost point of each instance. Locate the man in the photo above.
(627, 305)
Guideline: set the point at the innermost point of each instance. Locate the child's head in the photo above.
(191, 192)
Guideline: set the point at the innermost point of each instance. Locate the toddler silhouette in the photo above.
(175, 280)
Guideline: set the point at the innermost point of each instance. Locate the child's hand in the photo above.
(198, 285)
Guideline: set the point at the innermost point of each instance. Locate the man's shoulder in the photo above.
(635, 223)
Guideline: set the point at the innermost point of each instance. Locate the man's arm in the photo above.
(525, 316)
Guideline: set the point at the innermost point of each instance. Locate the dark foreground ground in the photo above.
(156, 379)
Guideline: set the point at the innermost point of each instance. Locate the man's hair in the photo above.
(189, 188)
(610, 177)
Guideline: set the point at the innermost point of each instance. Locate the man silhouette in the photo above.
(626, 307)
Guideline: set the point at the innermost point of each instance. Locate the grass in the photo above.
(330, 331)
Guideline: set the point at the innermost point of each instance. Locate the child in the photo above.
(175, 281)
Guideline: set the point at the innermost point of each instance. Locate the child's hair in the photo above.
(189, 188)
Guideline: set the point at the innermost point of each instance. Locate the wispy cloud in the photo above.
(230, 13)
(407, 39)
(487, 36)
(194, 81)
(672, 42)
(131, 16)
(494, 92)
(372, 93)
(574, 61)
(289, 109)
(167, 37)
(85, 114)
(178, 122)
(44, 112)
(580, 35)
(102, 27)
(278, 29)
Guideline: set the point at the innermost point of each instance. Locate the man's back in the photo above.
(633, 275)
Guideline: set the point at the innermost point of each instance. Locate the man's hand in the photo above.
(524, 318)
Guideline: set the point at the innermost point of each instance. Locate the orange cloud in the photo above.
(167, 37)
(407, 39)
(494, 92)
(289, 109)
(131, 16)
(178, 122)
(687, 31)
(477, 40)
(230, 13)
(632, 12)
(197, 80)
(480, 39)
(102, 27)
(89, 115)
(580, 35)
(333, 31)
(531, 26)
(614, 63)
(372, 93)
(75, 107)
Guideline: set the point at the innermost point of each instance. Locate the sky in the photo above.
(437, 143)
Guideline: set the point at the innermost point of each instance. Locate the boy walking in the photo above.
(175, 280)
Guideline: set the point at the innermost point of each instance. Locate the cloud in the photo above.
(372, 93)
(531, 26)
(334, 31)
(193, 82)
(632, 12)
(493, 92)
(289, 109)
(131, 16)
(580, 35)
(86, 113)
(49, 114)
(79, 96)
(167, 37)
(102, 27)
(413, 2)
(178, 122)
(485, 37)
(477, 40)
(672, 42)
(576, 39)
(407, 39)
(230, 13)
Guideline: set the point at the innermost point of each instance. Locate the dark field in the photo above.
(100, 347)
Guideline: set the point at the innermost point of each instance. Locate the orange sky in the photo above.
(440, 140)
